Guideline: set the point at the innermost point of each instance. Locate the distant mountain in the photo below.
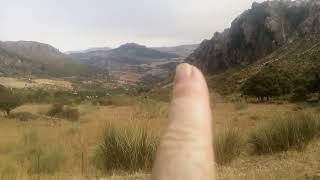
(256, 33)
(130, 53)
(183, 50)
(89, 50)
(34, 58)
(127, 63)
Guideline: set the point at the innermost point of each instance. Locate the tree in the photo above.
(9, 101)
(269, 82)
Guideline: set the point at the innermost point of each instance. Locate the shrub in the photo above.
(227, 146)
(103, 102)
(55, 109)
(9, 101)
(114, 101)
(299, 94)
(129, 149)
(70, 113)
(270, 82)
(313, 98)
(61, 111)
(23, 116)
(283, 133)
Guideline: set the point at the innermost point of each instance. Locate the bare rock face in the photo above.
(256, 33)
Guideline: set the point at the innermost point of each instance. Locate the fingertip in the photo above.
(183, 72)
(189, 82)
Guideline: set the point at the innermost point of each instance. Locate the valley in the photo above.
(100, 113)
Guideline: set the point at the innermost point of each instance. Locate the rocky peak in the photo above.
(256, 33)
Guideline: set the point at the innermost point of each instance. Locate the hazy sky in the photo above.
(80, 24)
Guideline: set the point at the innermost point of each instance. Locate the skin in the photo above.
(185, 151)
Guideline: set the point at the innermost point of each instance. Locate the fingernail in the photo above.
(183, 72)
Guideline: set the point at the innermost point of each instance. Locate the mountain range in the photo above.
(130, 53)
(129, 62)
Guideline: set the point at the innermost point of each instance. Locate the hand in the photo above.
(185, 151)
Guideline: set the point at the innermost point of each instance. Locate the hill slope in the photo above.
(33, 58)
(256, 33)
(296, 58)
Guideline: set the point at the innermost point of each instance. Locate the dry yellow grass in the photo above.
(36, 83)
(81, 138)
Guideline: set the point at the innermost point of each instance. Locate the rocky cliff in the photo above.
(256, 33)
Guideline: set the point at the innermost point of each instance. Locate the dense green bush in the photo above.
(307, 86)
(9, 100)
(269, 82)
(130, 149)
(284, 132)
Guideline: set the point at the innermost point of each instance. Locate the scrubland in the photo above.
(118, 140)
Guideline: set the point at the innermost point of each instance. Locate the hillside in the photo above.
(256, 33)
(36, 59)
(297, 59)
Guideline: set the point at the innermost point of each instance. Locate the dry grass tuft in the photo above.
(228, 145)
(284, 132)
(129, 149)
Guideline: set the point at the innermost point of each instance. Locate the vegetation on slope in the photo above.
(298, 62)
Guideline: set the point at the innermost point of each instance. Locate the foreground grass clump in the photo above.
(228, 145)
(241, 105)
(38, 158)
(128, 149)
(284, 132)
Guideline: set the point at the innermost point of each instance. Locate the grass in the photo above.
(120, 100)
(241, 105)
(37, 158)
(228, 145)
(47, 161)
(73, 139)
(284, 132)
(129, 149)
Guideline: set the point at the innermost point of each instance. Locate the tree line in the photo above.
(273, 82)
